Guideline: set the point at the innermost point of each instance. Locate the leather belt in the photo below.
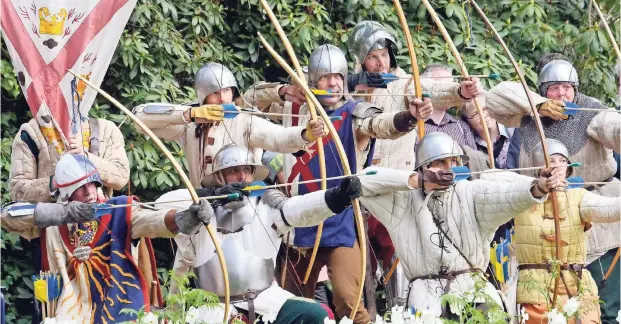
(247, 296)
(449, 275)
(574, 267)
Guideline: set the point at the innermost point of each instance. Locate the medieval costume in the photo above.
(90, 246)
(535, 246)
(590, 138)
(250, 231)
(201, 141)
(442, 236)
(37, 149)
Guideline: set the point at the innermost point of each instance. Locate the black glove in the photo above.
(340, 197)
(53, 214)
(206, 192)
(370, 79)
(439, 177)
(189, 221)
(231, 188)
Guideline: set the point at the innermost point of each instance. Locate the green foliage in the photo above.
(166, 41)
(466, 305)
(180, 304)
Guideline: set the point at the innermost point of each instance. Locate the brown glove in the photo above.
(208, 112)
(440, 178)
(553, 108)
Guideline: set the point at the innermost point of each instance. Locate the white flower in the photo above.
(270, 317)
(619, 316)
(327, 320)
(554, 317)
(523, 316)
(192, 316)
(346, 320)
(49, 320)
(571, 306)
(378, 320)
(427, 317)
(149, 318)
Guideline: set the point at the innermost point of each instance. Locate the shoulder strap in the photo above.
(94, 140)
(26, 138)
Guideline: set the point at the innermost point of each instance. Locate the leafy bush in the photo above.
(166, 41)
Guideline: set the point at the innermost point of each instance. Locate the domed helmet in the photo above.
(557, 71)
(435, 146)
(72, 172)
(229, 156)
(554, 147)
(213, 77)
(327, 59)
(369, 36)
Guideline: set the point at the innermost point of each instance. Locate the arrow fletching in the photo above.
(230, 111)
(319, 92)
(494, 76)
(40, 288)
(388, 77)
(233, 196)
(256, 188)
(575, 164)
(462, 172)
(571, 112)
(575, 182)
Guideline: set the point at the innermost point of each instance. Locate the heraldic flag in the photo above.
(45, 38)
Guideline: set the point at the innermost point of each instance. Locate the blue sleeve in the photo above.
(513, 154)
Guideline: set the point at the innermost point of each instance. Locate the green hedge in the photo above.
(165, 42)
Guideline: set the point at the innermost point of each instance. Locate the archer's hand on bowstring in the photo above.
(554, 109)
(434, 178)
(206, 114)
(365, 81)
(292, 93)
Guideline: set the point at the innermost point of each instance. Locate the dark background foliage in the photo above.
(166, 41)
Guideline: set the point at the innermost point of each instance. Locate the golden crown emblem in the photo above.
(51, 24)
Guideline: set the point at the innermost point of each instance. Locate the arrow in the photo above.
(491, 76)
(463, 172)
(260, 186)
(319, 92)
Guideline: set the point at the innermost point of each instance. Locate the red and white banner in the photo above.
(45, 38)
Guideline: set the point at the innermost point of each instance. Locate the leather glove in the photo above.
(370, 79)
(52, 214)
(208, 112)
(190, 221)
(441, 178)
(339, 198)
(231, 188)
(554, 109)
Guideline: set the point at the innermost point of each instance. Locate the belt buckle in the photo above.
(249, 295)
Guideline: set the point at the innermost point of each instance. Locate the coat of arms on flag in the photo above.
(46, 38)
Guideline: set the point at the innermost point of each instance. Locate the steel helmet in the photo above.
(229, 156)
(554, 147)
(326, 59)
(213, 77)
(369, 35)
(72, 172)
(435, 146)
